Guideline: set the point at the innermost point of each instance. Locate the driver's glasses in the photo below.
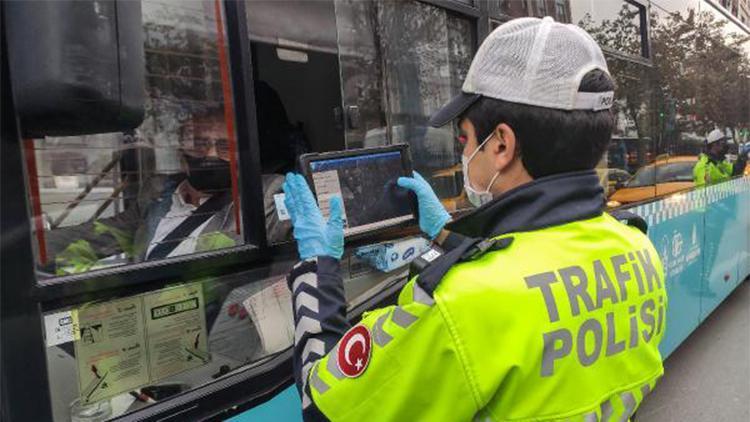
(201, 146)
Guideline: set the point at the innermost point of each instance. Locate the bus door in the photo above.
(295, 80)
(353, 74)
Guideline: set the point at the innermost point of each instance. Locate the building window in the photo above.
(541, 8)
(562, 10)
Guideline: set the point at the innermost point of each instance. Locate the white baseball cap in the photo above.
(532, 61)
(716, 135)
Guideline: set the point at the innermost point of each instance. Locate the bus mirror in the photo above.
(77, 67)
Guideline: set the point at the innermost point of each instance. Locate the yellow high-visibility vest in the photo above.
(562, 324)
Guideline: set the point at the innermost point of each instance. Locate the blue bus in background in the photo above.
(126, 297)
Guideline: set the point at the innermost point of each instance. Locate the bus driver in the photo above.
(173, 214)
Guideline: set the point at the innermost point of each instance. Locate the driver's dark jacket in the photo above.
(78, 248)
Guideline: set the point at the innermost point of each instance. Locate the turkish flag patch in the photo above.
(354, 350)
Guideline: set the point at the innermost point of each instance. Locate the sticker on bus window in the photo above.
(176, 327)
(61, 327)
(128, 343)
(281, 210)
(111, 354)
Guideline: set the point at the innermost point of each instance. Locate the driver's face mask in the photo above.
(476, 197)
(208, 173)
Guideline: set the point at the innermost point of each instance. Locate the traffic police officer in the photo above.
(541, 307)
(712, 166)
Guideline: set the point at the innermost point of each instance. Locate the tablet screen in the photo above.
(367, 185)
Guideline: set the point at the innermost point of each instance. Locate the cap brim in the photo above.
(725, 138)
(454, 108)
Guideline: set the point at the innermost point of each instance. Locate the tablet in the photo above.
(365, 179)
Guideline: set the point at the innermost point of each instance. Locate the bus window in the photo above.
(167, 189)
(115, 356)
(663, 119)
(625, 177)
(352, 74)
(511, 8)
(332, 75)
(423, 66)
(132, 351)
(630, 159)
(614, 24)
(296, 87)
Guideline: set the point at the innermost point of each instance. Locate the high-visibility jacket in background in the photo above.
(709, 172)
(556, 315)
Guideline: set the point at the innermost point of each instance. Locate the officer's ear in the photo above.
(505, 149)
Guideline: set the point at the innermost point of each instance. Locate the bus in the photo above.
(144, 143)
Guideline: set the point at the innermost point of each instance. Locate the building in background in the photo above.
(558, 9)
(738, 8)
(744, 11)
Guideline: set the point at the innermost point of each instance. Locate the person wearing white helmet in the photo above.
(712, 166)
(537, 305)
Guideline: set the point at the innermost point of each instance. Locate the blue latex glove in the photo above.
(315, 237)
(432, 216)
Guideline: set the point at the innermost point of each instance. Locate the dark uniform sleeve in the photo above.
(398, 363)
(738, 169)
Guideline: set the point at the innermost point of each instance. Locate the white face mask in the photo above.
(476, 197)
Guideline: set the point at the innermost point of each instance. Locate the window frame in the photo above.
(645, 57)
(468, 10)
(19, 346)
(253, 251)
(26, 297)
(560, 5)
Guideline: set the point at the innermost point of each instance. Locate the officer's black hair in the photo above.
(551, 141)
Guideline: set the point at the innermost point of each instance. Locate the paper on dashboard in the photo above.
(271, 312)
